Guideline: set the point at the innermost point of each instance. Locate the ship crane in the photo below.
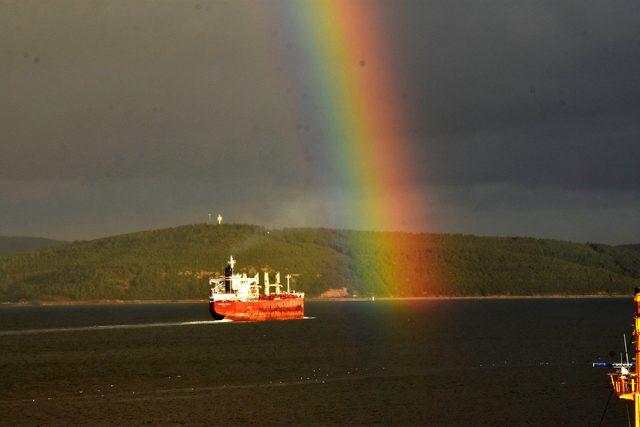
(290, 276)
(268, 285)
(626, 375)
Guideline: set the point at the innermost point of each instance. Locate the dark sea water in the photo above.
(460, 362)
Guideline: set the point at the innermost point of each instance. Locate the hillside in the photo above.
(14, 245)
(633, 247)
(174, 263)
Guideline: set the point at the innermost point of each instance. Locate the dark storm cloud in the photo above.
(120, 115)
(486, 65)
(538, 93)
(526, 114)
(577, 154)
(126, 90)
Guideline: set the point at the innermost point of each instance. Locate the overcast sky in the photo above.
(118, 116)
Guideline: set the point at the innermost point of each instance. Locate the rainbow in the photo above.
(355, 83)
(348, 65)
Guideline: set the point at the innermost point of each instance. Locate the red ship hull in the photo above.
(272, 307)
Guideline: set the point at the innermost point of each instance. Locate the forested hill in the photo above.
(14, 245)
(175, 263)
(633, 247)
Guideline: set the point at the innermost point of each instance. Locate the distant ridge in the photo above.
(633, 247)
(174, 263)
(13, 245)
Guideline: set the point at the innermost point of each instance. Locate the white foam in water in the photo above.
(205, 322)
(106, 327)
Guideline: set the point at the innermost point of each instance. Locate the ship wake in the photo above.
(120, 326)
(109, 327)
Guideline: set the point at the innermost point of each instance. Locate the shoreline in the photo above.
(475, 297)
(315, 299)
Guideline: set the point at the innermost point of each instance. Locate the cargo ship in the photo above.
(238, 297)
